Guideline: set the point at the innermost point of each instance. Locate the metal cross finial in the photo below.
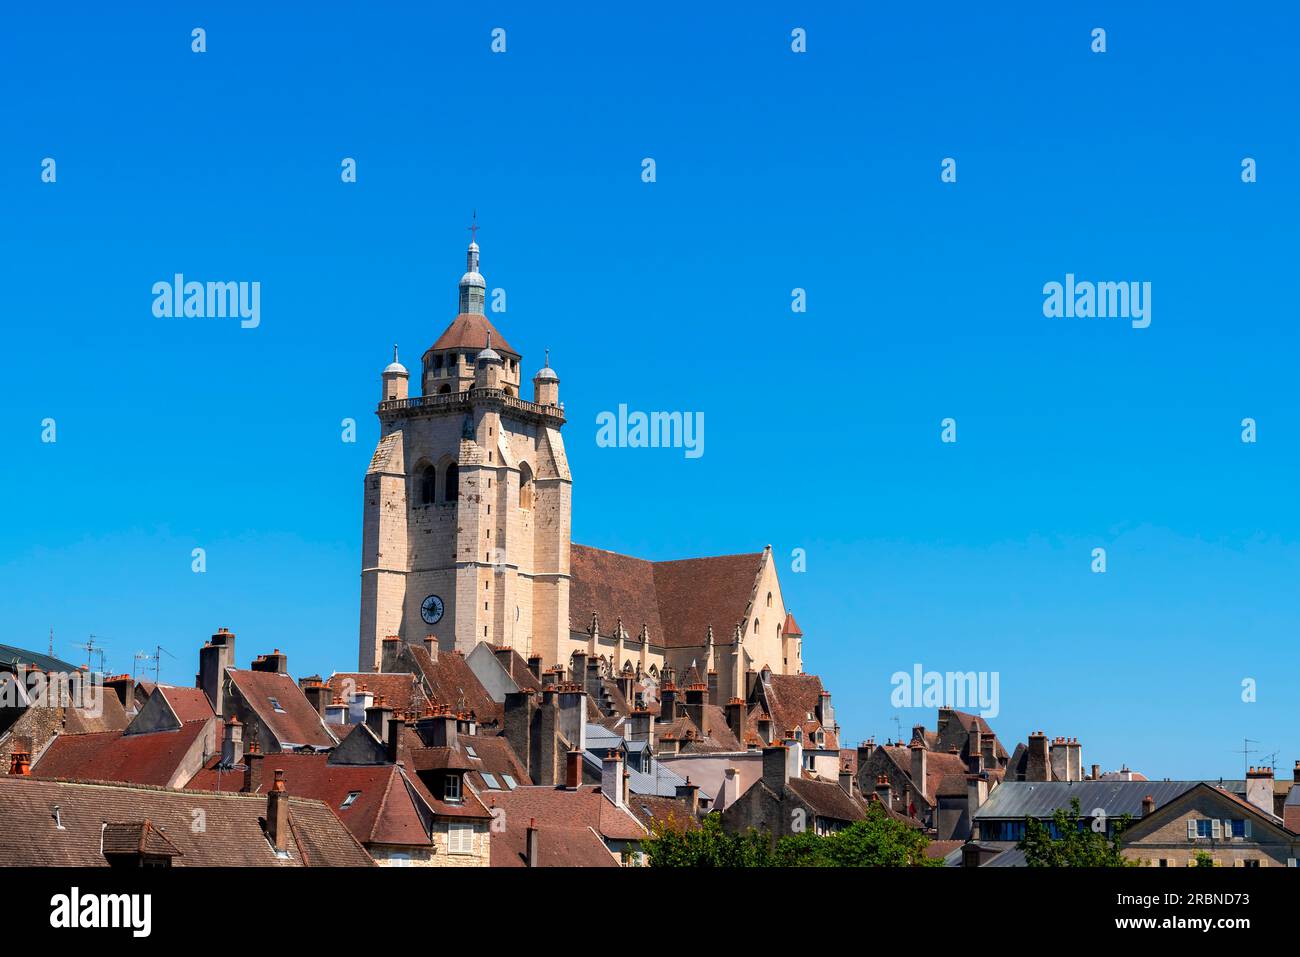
(473, 230)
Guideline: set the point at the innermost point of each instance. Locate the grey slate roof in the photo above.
(1016, 800)
(9, 656)
(659, 781)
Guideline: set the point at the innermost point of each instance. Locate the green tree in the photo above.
(1076, 844)
(1203, 859)
(877, 841)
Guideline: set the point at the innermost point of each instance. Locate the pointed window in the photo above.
(525, 486)
(451, 488)
(428, 485)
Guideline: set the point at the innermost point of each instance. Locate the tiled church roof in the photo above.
(470, 330)
(677, 601)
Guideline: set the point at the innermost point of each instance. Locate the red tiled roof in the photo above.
(401, 690)
(383, 811)
(298, 723)
(189, 704)
(233, 834)
(453, 684)
(557, 846)
(790, 699)
(676, 600)
(469, 331)
(562, 807)
(152, 758)
(791, 626)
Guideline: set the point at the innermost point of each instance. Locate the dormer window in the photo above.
(451, 787)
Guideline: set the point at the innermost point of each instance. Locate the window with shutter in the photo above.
(1191, 829)
(460, 838)
(1216, 829)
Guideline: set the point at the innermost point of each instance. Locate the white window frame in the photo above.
(460, 838)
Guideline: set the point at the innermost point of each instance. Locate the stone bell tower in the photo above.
(467, 499)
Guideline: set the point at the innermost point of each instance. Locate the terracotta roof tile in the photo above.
(296, 724)
(469, 331)
(153, 758)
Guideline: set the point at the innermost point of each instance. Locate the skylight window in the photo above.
(469, 749)
(349, 800)
(491, 781)
(510, 782)
(275, 703)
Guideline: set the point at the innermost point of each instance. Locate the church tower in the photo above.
(467, 498)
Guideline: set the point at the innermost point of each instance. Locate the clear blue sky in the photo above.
(775, 171)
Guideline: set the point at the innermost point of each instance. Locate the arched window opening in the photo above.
(769, 599)
(444, 389)
(525, 486)
(451, 484)
(428, 485)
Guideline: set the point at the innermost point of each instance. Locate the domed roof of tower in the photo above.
(489, 354)
(395, 367)
(468, 331)
(547, 374)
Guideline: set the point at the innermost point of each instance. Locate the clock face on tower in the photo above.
(431, 610)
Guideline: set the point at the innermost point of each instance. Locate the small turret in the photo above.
(487, 367)
(546, 384)
(396, 379)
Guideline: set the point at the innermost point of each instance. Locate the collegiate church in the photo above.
(466, 534)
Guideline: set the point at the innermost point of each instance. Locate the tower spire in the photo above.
(473, 289)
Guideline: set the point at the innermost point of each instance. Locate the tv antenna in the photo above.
(1246, 751)
(91, 650)
(156, 658)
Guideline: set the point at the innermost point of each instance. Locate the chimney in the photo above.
(431, 646)
(593, 677)
(535, 666)
(713, 687)
(641, 725)
(690, 793)
(1295, 773)
(1036, 764)
(215, 657)
(1259, 788)
(572, 717)
(1096, 772)
(439, 729)
(1059, 761)
(394, 740)
(362, 699)
(1148, 806)
(275, 662)
(611, 777)
(736, 719)
(336, 711)
(945, 715)
(377, 716)
(578, 664)
(919, 767)
(847, 780)
(122, 686)
(530, 844)
(668, 702)
(776, 771)
(977, 791)
(730, 789)
(390, 654)
(1074, 759)
(975, 750)
(794, 759)
(20, 763)
(232, 745)
(517, 719)
(253, 758)
(573, 771)
(883, 791)
(277, 813)
(695, 704)
(319, 696)
(826, 713)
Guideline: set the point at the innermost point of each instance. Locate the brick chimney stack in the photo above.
(215, 657)
(573, 770)
(396, 726)
(232, 744)
(847, 782)
(883, 791)
(1259, 788)
(1148, 806)
(276, 662)
(776, 770)
(611, 777)
(1038, 766)
(530, 844)
(1295, 774)
(20, 762)
(277, 813)
(690, 794)
(919, 768)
